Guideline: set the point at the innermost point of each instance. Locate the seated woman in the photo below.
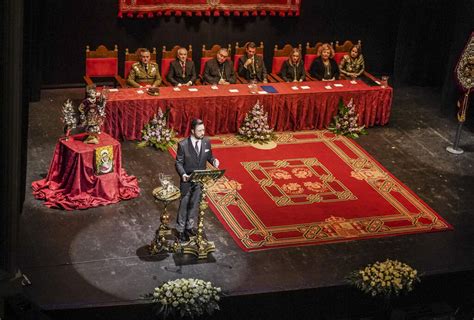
(352, 65)
(292, 69)
(324, 67)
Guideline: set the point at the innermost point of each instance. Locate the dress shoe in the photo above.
(183, 237)
(191, 232)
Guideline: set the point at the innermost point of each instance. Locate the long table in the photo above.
(223, 111)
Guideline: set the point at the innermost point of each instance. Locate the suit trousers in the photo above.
(189, 208)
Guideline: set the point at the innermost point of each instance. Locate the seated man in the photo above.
(219, 70)
(144, 73)
(182, 71)
(251, 66)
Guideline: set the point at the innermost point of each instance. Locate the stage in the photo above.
(98, 257)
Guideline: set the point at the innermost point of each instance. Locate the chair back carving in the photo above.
(280, 56)
(208, 54)
(169, 56)
(239, 51)
(101, 62)
(131, 58)
(311, 54)
(343, 49)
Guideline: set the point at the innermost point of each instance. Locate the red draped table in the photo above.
(223, 111)
(72, 183)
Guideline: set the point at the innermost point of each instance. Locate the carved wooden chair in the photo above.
(101, 63)
(309, 56)
(240, 51)
(130, 59)
(208, 54)
(169, 56)
(342, 50)
(279, 57)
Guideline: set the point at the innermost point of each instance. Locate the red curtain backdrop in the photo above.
(151, 8)
(312, 188)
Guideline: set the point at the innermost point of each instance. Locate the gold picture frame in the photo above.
(104, 160)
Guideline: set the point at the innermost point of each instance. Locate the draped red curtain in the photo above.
(152, 8)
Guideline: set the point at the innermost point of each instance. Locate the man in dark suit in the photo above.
(182, 71)
(193, 153)
(220, 69)
(251, 66)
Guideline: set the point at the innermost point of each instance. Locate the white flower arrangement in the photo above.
(387, 278)
(186, 298)
(346, 121)
(157, 133)
(255, 127)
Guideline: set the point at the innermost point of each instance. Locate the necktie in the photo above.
(196, 147)
(146, 69)
(183, 66)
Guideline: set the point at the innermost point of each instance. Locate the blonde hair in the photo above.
(326, 46)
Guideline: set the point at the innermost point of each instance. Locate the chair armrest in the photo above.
(277, 77)
(241, 79)
(309, 77)
(88, 81)
(165, 83)
(121, 81)
(371, 77)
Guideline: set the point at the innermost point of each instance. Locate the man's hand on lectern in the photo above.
(216, 163)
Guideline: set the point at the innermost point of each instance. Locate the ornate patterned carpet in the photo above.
(312, 188)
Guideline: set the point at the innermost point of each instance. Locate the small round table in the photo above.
(160, 243)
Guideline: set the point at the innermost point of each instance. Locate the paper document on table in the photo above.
(353, 82)
(328, 87)
(305, 87)
(294, 88)
(338, 85)
(113, 90)
(140, 92)
(193, 89)
(233, 90)
(214, 87)
(176, 89)
(262, 92)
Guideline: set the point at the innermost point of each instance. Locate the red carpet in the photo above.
(313, 188)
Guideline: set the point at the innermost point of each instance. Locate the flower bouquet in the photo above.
(255, 127)
(156, 133)
(387, 279)
(186, 298)
(345, 122)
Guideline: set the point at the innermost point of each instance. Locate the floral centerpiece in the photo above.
(186, 298)
(157, 134)
(255, 127)
(346, 121)
(387, 279)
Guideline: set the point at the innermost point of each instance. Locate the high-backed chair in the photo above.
(240, 51)
(279, 57)
(131, 58)
(208, 54)
(169, 56)
(342, 50)
(101, 63)
(309, 56)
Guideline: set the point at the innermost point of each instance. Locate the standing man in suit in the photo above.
(193, 153)
(251, 66)
(144, 73)
(182, 71)
(220, 69)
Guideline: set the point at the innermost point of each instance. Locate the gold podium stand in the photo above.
(199, 246)
(160, 243)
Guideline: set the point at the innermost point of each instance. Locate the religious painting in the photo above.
(104, 160)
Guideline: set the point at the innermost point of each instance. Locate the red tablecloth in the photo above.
(223, 111)
(71, 182)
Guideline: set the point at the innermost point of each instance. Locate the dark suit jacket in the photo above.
(175, 74)
(317, 69)
(288, 71)
(260, 72)
(212, 71)
(187, 160)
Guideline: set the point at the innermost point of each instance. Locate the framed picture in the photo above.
(104, 160)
